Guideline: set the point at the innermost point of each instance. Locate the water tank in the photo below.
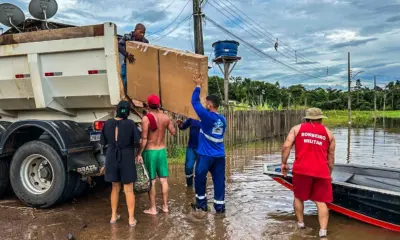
(227, 48)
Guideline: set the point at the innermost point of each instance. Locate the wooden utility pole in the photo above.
(374, 96)
(198, 27)
(349, 90)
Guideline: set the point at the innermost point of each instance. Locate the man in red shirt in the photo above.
(313, 165)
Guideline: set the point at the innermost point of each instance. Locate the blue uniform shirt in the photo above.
(194, 132)
(212, 129)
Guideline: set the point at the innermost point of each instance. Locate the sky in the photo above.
(319, 32)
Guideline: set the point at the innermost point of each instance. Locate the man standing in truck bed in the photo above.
(153, 150)
(136, 35)
(211, 150)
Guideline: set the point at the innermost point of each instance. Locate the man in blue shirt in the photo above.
(191, 150)
(211, 150)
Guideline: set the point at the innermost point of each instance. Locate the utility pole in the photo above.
(289, 102)
(349, 89)
(375, 97)
(392, 100)
(198, 27)
(384, 102)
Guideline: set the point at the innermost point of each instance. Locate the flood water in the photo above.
(256, 206)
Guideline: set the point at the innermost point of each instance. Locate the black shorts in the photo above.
(123, 171)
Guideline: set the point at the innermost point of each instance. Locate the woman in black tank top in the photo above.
(121, 136)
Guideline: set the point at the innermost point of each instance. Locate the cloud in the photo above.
(353, 43)
(150, 16)
(318, 30)
(393, 19)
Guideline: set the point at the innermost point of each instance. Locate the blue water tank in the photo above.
(227, 48)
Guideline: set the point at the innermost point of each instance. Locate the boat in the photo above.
(368, 194)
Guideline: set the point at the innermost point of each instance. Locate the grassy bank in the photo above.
(358, 118)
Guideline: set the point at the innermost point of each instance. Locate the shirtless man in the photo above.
(153, 150)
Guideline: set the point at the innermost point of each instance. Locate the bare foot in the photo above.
(151, 211)
(132, 222)
(165, 209)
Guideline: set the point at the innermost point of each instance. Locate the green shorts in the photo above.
(156, 163)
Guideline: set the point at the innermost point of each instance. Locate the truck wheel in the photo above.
(4, 176)
(72, 181)
(38, 174)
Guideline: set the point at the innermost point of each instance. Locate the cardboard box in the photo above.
(167, 73)
(177, 69)
(143, 74)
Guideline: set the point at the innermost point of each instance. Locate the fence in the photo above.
(248, 126)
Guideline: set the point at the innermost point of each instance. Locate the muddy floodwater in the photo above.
(256, 206)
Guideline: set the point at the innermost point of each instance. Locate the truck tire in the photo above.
(72, 181)
(38, 175)
(4, 176)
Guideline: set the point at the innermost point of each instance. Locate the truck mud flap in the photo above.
(83, 163)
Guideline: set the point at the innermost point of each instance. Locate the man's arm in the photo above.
(331, 153)
(122, 47)
(186, 124)
(171, 128)
(198, 108)
(287, 146)
(145, 131)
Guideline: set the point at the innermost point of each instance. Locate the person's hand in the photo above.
(198, 79)
(139, 159)
(131, 58)
(179, 122)
(102, 171)
(284, 169)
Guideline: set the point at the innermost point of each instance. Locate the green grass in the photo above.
(358, 118)
(176, 155)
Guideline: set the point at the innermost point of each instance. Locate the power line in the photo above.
(270, 34)
(260, 52)
(289, 57)
(176, 27)
(169, 5)
(163, 29)
(289, 54)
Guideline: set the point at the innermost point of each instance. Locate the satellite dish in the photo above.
(43, 9)
(11, 15)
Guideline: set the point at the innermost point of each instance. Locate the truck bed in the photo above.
(65, 74)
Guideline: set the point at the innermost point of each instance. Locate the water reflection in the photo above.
(377, 145)
(257, 207)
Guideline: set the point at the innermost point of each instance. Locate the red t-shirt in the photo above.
(312, 145)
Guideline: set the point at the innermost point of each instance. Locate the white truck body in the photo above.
(54, 90)
(70, 79)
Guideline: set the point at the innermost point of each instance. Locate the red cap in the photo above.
(153, 100)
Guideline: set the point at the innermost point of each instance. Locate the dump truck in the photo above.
(57, 88)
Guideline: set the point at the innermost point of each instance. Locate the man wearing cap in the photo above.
(211, 150)
(136, 35)
(313, 165)
(153, 150)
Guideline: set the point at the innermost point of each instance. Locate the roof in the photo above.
(32, 25)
